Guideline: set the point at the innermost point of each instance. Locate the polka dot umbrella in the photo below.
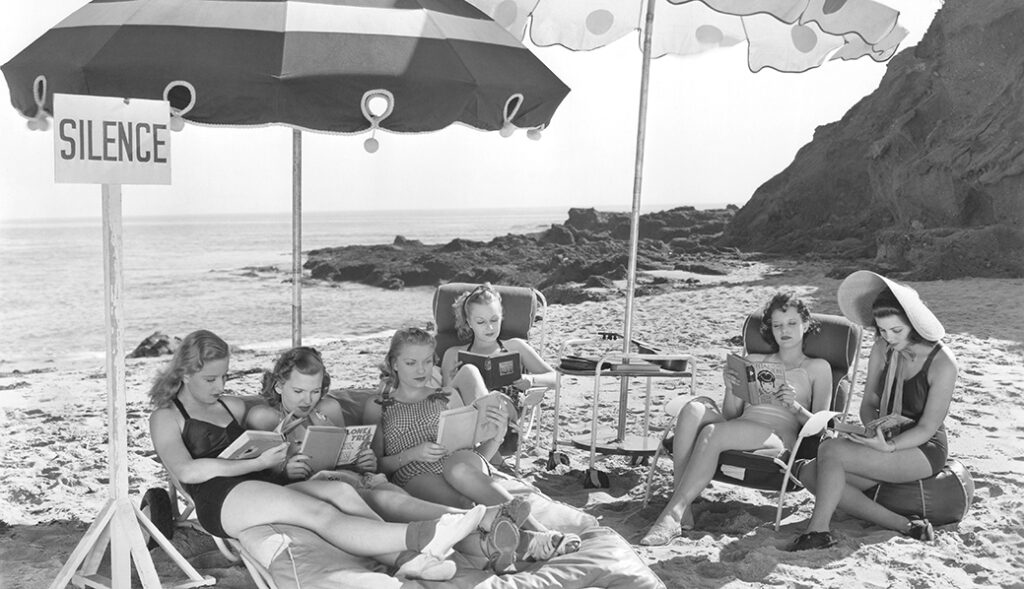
(785, 35)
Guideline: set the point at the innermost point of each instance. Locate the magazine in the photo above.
(330, 446)
(465, 427)
(891, 425)
(498, 370)
(763, 379)
(251, 444)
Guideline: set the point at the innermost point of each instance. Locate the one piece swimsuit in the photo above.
(915, 397)
(783, 421)
(206, 440)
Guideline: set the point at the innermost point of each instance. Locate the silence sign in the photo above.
(109, 140)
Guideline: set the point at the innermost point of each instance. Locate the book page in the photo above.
(456, 428)
(322, 443)
(251, 444)
(485, 430)
(357, 439)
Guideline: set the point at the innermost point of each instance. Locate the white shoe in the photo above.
(427, 567)
(451, 528)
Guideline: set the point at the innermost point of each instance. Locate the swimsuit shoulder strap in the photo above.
(181, 408)
(226, 408)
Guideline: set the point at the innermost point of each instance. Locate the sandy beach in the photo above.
(53, 452)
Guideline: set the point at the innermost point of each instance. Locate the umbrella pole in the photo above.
(634, 220)
(296, 237)
(119, 522)
(638, 175)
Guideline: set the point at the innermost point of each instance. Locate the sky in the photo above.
(715, 133)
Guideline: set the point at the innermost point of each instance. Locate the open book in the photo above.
(498, 370)
(251, 444)
(329, 446)
(763, 379)
(890, 425)
(465, 427)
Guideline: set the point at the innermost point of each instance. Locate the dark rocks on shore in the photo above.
(925, 175)
(570, 262)
(157, 344)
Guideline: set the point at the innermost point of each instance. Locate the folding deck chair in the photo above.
(838, 342)
(520, 306)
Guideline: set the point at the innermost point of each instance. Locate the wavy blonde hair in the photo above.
(198, 348)
(483, 294)
(403, 337)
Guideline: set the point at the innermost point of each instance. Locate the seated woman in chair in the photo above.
(407, 412)
(193, 422)
(295, 391)
(907, 342)
(478, 316)
(703, 430)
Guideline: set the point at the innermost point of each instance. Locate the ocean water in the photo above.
(187, 273)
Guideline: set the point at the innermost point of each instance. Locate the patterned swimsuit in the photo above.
(406, 425)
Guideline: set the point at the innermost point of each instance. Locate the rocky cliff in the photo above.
(925, 175)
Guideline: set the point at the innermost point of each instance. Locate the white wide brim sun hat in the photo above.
(858, 292)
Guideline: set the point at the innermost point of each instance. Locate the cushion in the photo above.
(297, 557)
(943, 498)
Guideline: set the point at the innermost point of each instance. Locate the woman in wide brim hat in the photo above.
(910, 381)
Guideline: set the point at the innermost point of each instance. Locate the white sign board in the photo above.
(106, 140)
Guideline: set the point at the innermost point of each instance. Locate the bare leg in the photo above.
(469, 383)
(692, 418)
(844, 469)
(738, 434)
(466, 472)
(356, 535)
(344, 498)
(434, 488)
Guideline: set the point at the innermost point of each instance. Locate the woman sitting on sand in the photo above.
(193, 423)
(703, 430)
(407, 411)
(478, 317)
(296, 393)
(907, 342)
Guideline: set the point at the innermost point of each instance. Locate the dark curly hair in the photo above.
(783, 301)
(887, 305)
(304, 359)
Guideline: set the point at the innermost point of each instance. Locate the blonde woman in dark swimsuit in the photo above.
(921, 373)
(193, 422)
(703, 430)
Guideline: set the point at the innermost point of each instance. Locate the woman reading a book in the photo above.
(478, 316)
(910, 382)
(408, 411)
(703, 430)
(193, 422)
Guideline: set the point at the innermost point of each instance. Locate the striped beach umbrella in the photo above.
(309, 64)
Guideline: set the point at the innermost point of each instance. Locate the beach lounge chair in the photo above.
(837, 342)
(521, 306)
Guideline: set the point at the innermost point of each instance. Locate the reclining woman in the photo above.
(407, 411)
(907, 342)
(703, 431)
(193, 422)
(478, 318)
(296, 394)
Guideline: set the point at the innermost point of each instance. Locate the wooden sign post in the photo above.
(113, 141)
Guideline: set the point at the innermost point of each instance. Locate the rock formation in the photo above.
(926, 174)
(570, 262)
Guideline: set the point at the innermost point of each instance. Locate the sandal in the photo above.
(516, 510)
(813, 541)
(426, 567)
(546, 545)
(499, 545)
(662, 533)
(921, 529)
